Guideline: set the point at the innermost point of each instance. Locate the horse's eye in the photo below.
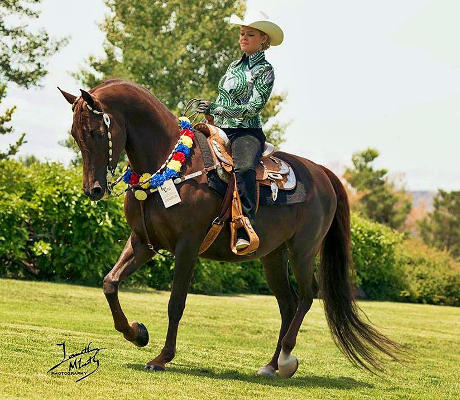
(96, 133)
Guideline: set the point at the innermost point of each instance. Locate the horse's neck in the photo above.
(151, 136)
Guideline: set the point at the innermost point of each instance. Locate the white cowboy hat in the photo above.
(262, 23)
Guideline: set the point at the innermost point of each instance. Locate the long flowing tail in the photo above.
(357, 339)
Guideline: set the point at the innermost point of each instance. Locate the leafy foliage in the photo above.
(50, 230)
(441, 228)
(379, 200)
(431, 275)
(176, 51)
(22, 57)
(374, 254)
(23, 53)
(6, 129)
(389, 267)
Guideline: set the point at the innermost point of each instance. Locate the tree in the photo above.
(378, 198)
(5, 128)
(22, 56)
(441, 228)
(176, 49)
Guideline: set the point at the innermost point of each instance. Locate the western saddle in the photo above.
(271, 171)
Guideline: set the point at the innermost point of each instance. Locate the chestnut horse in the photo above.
(148, 131)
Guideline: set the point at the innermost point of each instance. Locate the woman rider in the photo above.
(243, 91)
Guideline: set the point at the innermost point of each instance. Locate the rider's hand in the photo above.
(203, 106)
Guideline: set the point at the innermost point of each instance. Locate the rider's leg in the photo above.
(246, 152)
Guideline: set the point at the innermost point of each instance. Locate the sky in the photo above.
(358, 74)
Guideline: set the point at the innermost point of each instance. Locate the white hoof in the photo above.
(266, 370)
(287, 364)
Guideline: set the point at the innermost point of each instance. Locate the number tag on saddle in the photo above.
(169, 194)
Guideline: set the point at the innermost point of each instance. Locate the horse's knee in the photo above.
(110, 285)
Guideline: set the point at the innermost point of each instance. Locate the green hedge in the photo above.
(432, 276)
(48, 225)
(49, 230)
(378, 272)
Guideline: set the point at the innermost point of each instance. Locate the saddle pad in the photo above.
(296, 195)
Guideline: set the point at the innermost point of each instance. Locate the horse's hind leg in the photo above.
(134, 255)
(302, 263)
(276, 272)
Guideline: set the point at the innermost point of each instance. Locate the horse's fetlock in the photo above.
(287, 346)
(168, 355)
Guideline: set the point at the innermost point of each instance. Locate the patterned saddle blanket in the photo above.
(271, 171)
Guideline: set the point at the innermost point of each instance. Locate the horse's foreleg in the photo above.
(134, 255)
(186, 253)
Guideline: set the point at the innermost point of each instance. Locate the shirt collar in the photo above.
(253, 59)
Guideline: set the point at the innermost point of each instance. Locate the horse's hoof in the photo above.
(266, 370)
(156, 368)
(142, 338)
(287, 364)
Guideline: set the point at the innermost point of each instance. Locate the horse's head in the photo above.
(100, 144)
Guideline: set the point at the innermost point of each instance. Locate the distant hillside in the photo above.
(423, 197)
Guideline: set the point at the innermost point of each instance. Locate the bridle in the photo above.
(110, 170)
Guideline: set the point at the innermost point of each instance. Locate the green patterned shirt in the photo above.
(243, 92)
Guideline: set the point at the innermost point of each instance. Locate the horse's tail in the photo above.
(357, 339)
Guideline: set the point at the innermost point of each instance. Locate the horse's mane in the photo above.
(140, 89)
(119, 81)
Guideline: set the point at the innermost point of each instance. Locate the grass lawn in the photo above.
(222, 342)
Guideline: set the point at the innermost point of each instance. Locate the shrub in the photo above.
(49, 227)
(432, 276)
(50, 230)
(214, 277)
(374, 255)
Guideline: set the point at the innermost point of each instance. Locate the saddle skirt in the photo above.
(271, 171)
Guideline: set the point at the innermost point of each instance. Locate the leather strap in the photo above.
(241, 221)
(146, 235)
(219, 221)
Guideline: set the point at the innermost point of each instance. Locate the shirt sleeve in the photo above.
(263, 86)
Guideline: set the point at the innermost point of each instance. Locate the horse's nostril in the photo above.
(96, 191)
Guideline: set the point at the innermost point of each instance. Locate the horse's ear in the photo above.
(69, 97)
(88, 98)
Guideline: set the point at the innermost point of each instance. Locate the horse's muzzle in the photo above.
(96, 192)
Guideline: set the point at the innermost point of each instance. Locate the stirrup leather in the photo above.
(240, 221)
